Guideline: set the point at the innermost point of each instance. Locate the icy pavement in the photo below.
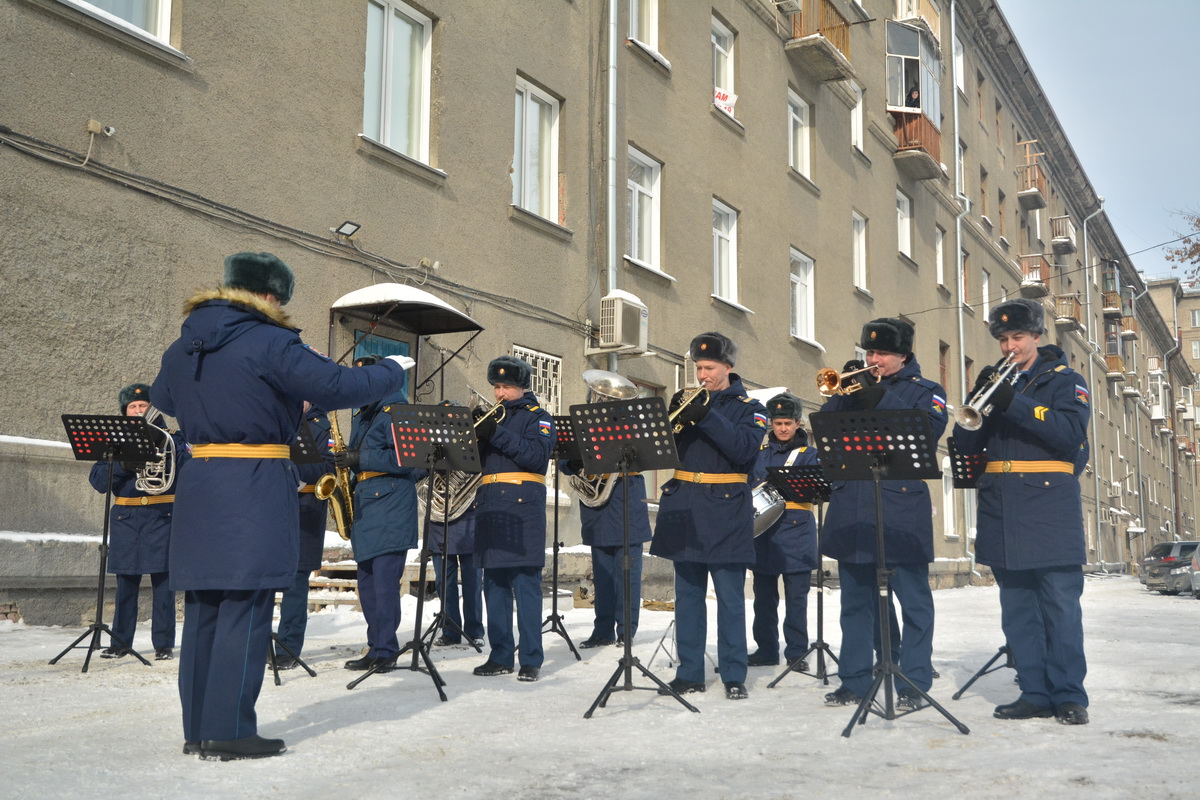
(115, 731)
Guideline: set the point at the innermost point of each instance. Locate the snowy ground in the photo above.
(115, 730)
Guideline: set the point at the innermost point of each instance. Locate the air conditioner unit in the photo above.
(624, 323)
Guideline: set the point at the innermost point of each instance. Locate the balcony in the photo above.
(1062, 235)
(1129, 328)
(921, 13)
(1111, 302)
(1068, 313)
(1132, 390)
(1032, 194)
(919, 143)
(820, 43)
(1114, 368)
(1035, 272)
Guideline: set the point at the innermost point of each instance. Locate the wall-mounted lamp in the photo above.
(346, 229)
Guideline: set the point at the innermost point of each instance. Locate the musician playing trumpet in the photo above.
(1030, 514)
(140, 530)
(849, 532)
(602, 514)
(788, 549)
(706, 516)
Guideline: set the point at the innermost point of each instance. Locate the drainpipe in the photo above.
(1091, 283)
(1137, 412)
(611, 162)
(1174, 448)
(965, 202)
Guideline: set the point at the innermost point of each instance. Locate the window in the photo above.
(1000, 212)
(1196, 318)
(939, 256)
(985, 290)
(964, 285)
(535, 152)
(643, 214)
(979, 95)
(396, 78)
(856, 116)
(998, 109)
(546, 378)
(803, 302)
(798, 134)
(904, 223)
(983, 192)
(724, 251)
(858, 250)
(1196, 348)
(943, 364)
(150, 16)
(913, 64)
(959, 71)
(643, 22)
(722, 66)
(960, 168)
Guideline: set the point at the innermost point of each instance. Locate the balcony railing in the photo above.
(1068, 311)
(1111, 303)
(820, 16)
(922, 10)
(1062, 234)
(1031, 183)
(1114, 367)
(1129, 328)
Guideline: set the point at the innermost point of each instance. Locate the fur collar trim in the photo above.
(239, 297)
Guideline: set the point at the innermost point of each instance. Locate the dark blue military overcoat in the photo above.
(790, 545)
(510, 518)
(238, 374)
(713, 523)
(314, 513)
(603, 526)
(849, 533)
(385, 507)
(1033, 520)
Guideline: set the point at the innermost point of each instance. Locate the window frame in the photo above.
(904, 220)
(551, 210)
(858, 250)
(160, 35)
(1196, 317)
(636, 191)
(731, 267)
(383, 133)
(799, 131)
(643, 22)
(718, 28)
(801, 281)
(856, 118)
(939, 254)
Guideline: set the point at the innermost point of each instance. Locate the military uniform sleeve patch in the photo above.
(544, 427)
(316, 352)
(939, 405)
(1039, 413)
(760, 419)
(1081, 395)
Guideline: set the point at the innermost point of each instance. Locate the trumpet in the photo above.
(831, 382)
(498, 407)
(971, 413)
(686, 400)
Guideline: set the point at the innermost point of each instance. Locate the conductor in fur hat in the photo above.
(787, 551)
(705, 521)
(849, 532)
(1030, 516)
(515, 441)
(236, 380)
(140, 531)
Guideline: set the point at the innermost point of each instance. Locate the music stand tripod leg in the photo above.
(554, 622)
(987, 669)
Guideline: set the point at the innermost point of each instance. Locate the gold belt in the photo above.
(798, 506)
(1030, 466)
(366, 476)
(514, 477)
(241, 451)
(710, 477)
(151, 500)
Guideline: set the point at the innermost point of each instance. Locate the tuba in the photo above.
(156, 477)
(463, 485)
(335, 486)
(595, 490)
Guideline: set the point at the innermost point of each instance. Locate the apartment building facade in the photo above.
(779, 171)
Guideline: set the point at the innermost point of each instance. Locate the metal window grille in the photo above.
(546, 382)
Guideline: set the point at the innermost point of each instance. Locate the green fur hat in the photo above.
(785, 406)
(510, 370)
(260, 273)
(131, 393)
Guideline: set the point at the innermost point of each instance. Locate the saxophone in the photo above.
(335, 486)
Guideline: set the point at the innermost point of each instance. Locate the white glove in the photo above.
(404, 361)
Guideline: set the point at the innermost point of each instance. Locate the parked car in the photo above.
(1196, 573)
(1167, 568)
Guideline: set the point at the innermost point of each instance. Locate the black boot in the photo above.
(736, 690)
(489, 668)
(1022, 709)
(680, 686)
(596, 641)
(236, 749)
(1071, 714)
(164, 653)
(360, 663)
(760, 659)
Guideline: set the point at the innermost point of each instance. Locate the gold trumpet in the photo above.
(831, 382)
(335, 486)
(499, 406)
(686, 400)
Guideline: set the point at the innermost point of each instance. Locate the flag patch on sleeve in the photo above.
(939, 405)
(316, 352)
(1081, 394)
(760, 419)
(544, 427)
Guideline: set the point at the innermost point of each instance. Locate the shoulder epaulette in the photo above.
(764, 445)
(533, 407)
(746, 399)
(1060, 367)
(387, 409)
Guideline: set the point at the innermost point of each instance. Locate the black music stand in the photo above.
(807, 484)
(626, 436)
(880, 445)
(965, 470)
(110, 439)
(566, 447)
(436, 438)
(304, 450)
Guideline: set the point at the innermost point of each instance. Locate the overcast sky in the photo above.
(1124, 80)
